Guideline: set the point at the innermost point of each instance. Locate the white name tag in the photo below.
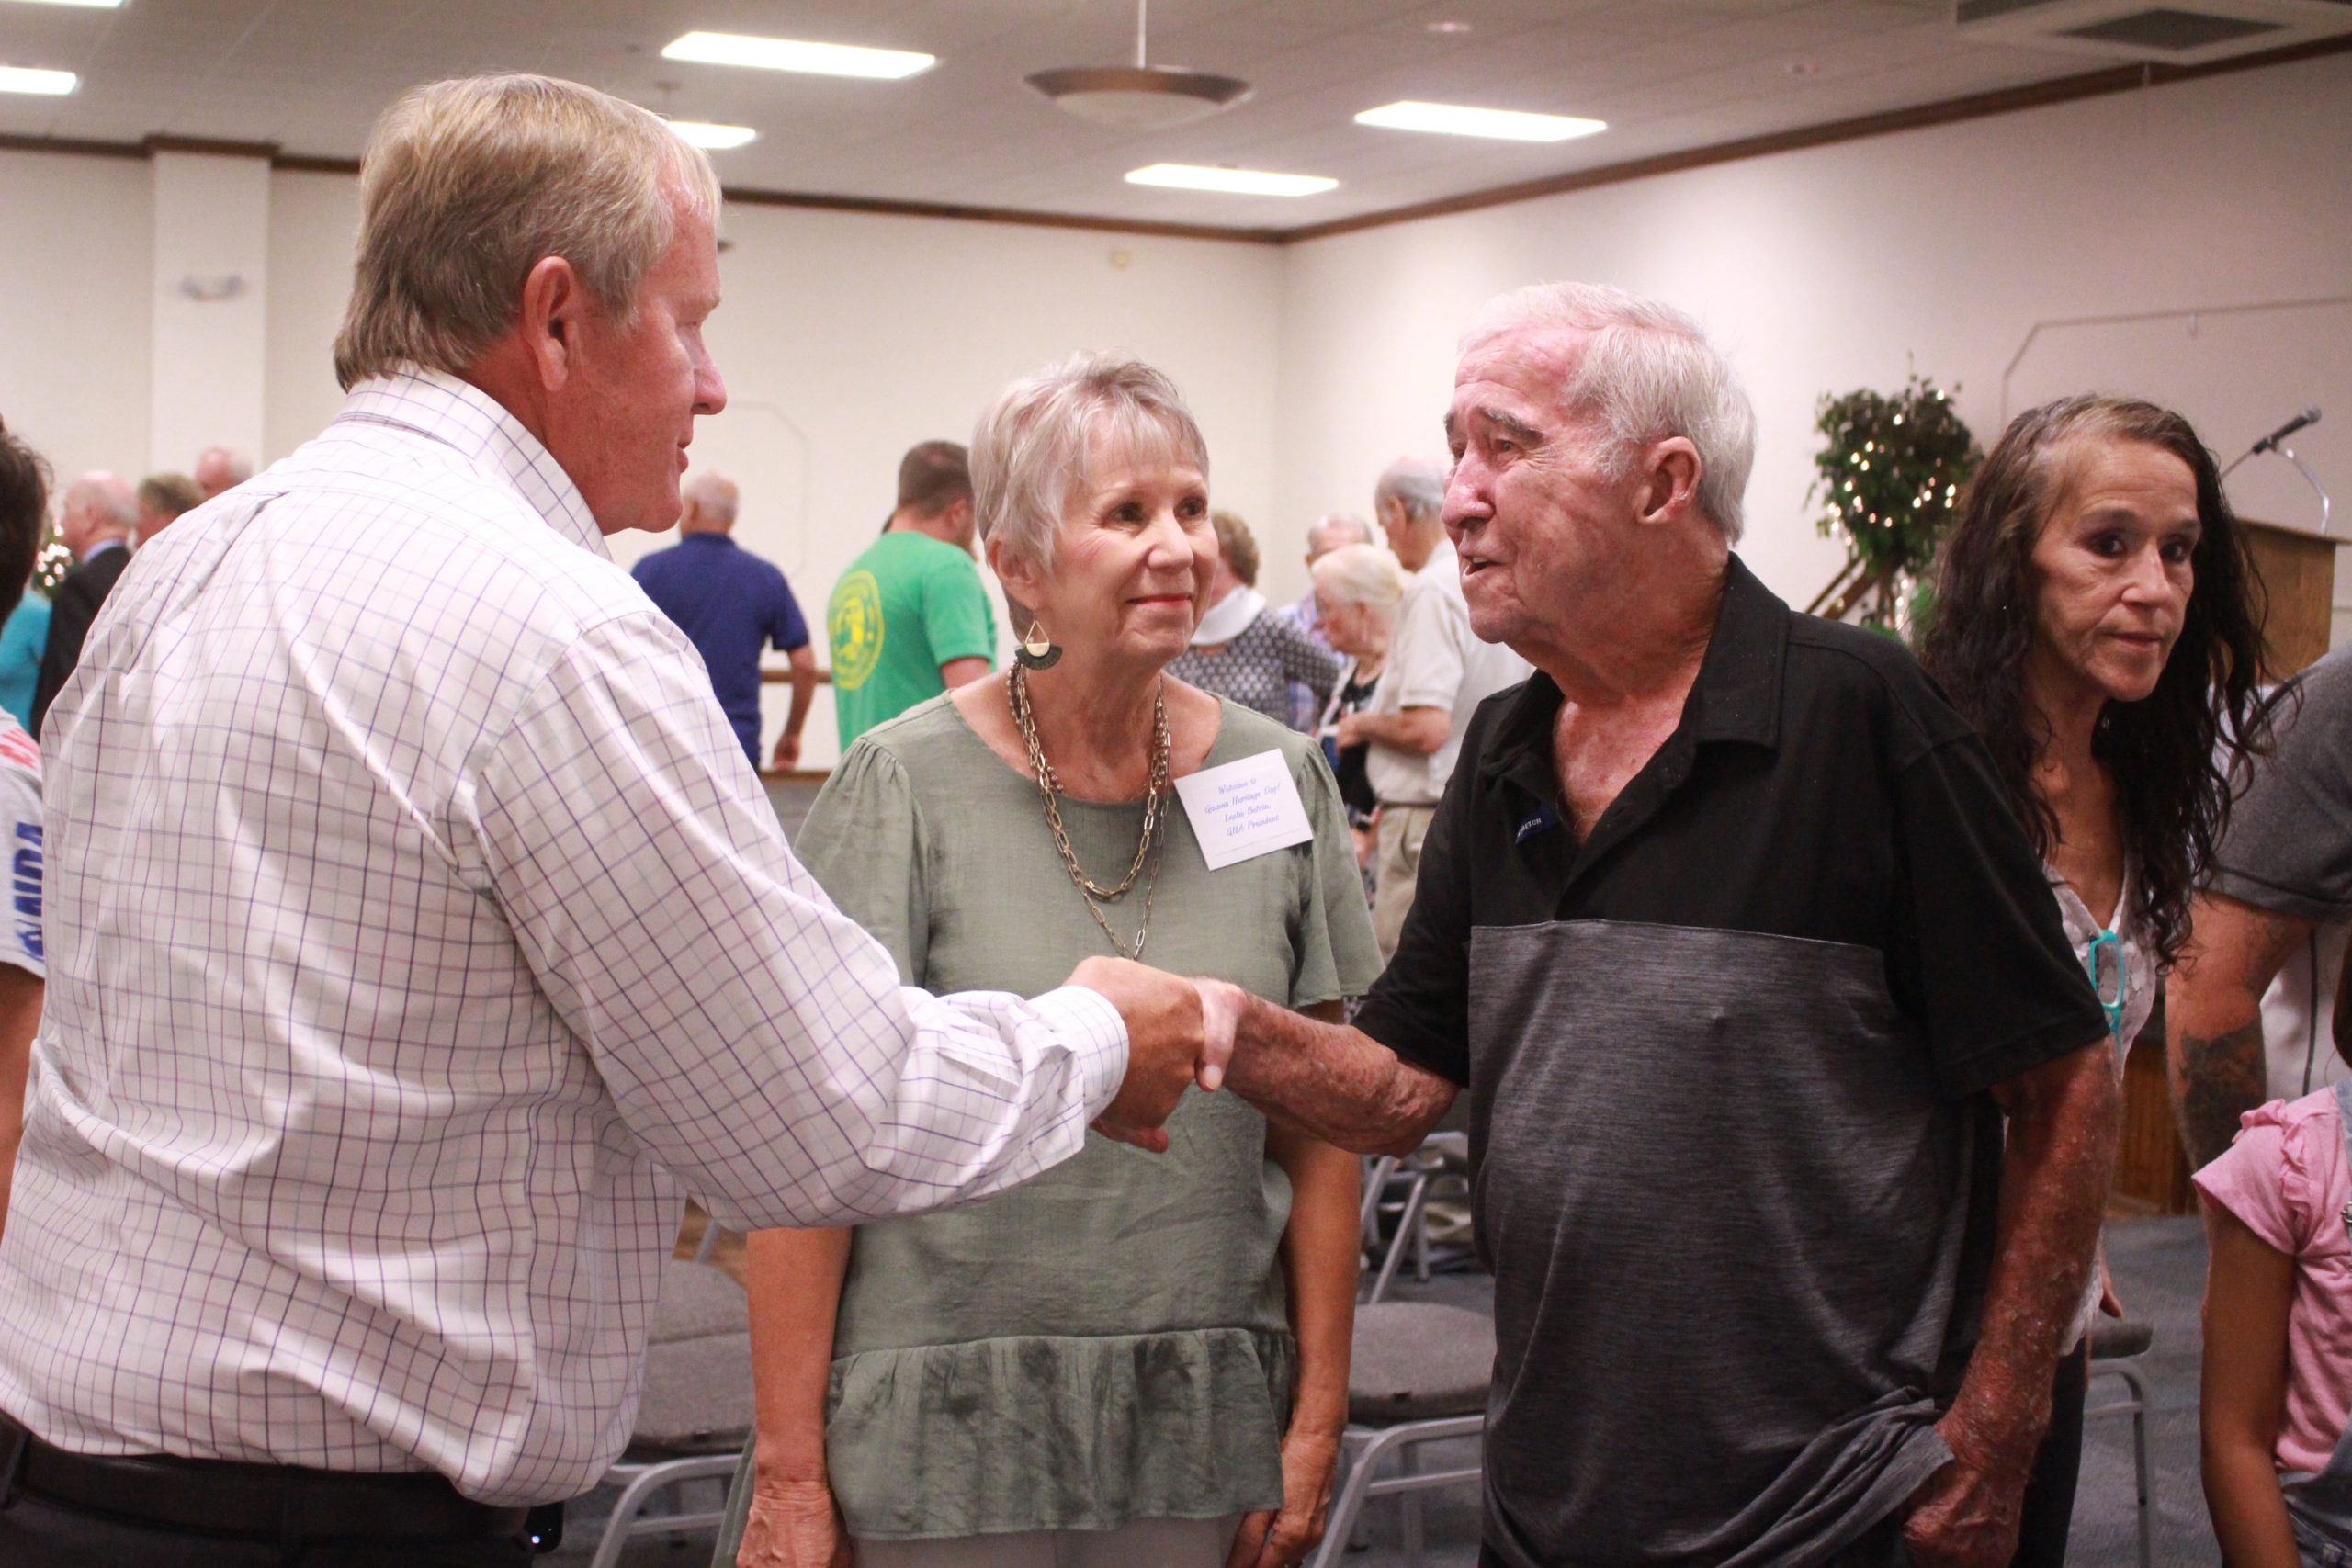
(1243, 809)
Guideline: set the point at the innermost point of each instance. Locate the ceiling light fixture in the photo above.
(1231, 182)
(1446, 29)
(1141, 96)
(1453, 119)
(712, 137)
(30, 79)
(93, 5)
(795, 55)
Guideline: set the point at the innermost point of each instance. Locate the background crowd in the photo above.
(395, 844)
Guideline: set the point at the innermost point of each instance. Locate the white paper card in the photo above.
(1243, 809)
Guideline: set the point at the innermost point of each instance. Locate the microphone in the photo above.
(2309, 416)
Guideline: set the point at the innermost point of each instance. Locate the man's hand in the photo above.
(1350, 730)
(1964, 1517)
(788, 752)
(1169, 1049)
(793, 1524)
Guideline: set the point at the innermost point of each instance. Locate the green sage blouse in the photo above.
(1107, 1342)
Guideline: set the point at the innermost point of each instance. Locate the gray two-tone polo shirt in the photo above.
(1737, 1169)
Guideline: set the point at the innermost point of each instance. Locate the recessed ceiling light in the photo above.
(795, 54)
(1446, 29)
(30, 79)
(1804, 68)
(1231, 182)
(712, 137)
(94, 4)
(1453, 119)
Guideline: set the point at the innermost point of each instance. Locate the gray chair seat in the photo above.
(1418, 1361)
(2114, 1338)
(698, 1397)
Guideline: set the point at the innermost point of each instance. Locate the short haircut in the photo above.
(106, 495)
(467, 185)
(1238, 546)
(1358, 532)
(935, 475)
(1033, 449)
(240, 468)
(1418, 486)
(1361, 574)
(24, 512)
(1646, 372)
(715, 495)
(170, 494)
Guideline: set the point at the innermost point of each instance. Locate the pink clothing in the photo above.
(2284, 1179)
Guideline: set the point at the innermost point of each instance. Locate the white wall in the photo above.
(845, 338)
(1838, 267)
(74, 317)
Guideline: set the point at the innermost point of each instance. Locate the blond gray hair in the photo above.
(467, 185)
(1034, 448)
(1646, 371)
(1361, 574)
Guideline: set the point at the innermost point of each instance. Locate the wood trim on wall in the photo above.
(1950, 111)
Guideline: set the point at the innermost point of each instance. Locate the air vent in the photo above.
(2174, 32)
(2186, 34)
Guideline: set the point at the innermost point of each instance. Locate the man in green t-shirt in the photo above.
(910, 617)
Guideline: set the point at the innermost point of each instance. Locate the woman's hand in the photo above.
(793, 1524)
(1284, 1539)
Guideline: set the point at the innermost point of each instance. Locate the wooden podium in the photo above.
(2298, 573)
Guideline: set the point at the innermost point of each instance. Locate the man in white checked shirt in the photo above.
(418, 929)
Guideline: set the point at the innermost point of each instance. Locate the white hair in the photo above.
(467, 185)
(1416, 486)
(713, 495)
(106, 496)
(1034, 448)
(235, 466)
(1361, 574)
(1645, 371)
(1357, 531)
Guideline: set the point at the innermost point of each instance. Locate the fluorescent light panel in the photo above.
(1231, 182)
(30, 79)
(1455, 119)
(795, 55)
(712, 137)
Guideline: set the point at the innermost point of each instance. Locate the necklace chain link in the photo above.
(1154, 813)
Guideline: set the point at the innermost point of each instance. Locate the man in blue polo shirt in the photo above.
(730, 604)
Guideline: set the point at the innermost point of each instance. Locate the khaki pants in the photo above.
(1147, 1543)
(1396, 869)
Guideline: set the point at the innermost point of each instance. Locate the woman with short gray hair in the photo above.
(1127, 1360)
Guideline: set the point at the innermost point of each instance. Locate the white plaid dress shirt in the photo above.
(415, 920)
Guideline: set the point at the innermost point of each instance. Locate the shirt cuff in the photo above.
(2249, 888)
(1096, 1034)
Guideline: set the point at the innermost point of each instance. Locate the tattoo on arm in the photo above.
(2217, 1079)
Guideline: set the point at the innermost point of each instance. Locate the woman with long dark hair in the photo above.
(2097, 621)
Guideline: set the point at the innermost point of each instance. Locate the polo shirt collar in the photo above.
(463, 417)
(1736, 697)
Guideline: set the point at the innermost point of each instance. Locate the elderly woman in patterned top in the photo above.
(1131, 1360)
(1244, 651)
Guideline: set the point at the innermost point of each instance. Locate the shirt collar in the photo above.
(476, 425)
(1736, 697)
(1442, 561)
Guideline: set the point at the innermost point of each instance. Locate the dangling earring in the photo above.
(1035, 652)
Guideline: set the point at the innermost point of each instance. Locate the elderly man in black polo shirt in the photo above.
(1726, 928)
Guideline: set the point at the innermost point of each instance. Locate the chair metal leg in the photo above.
(1416, 1199)
(1362, 1448)
(1408, 1505)
(2143, 1464)
(646, 1483)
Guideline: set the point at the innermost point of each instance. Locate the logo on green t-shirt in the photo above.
(853, 623)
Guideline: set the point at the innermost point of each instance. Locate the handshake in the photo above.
(1179, 1033)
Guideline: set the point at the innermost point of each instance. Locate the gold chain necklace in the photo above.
(1154, 812)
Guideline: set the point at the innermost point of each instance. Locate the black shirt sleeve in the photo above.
(1978, 955)
(1419, 1008)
